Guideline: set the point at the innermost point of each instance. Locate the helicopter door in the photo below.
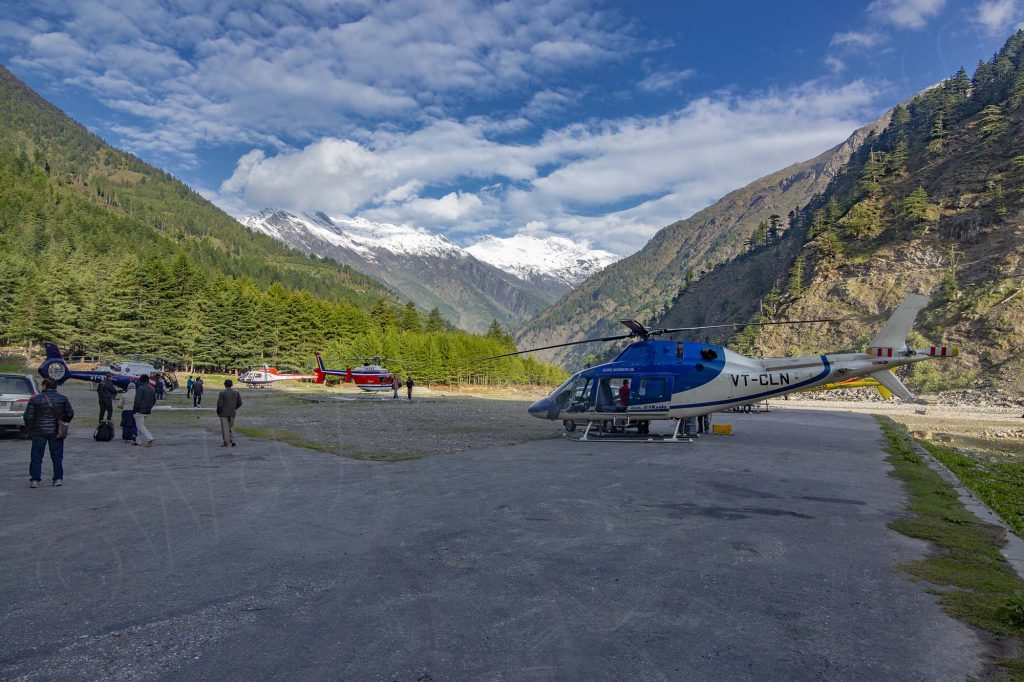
(579, 398)
(608, 394)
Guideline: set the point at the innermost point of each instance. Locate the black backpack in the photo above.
(104, 432)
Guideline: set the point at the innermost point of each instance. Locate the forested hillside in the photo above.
(933, 203)
(644, 285)
(103, 253)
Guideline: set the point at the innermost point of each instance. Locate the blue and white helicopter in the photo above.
(56, 368)
(679, 379)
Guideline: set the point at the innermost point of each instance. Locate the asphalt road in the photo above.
(761, 556)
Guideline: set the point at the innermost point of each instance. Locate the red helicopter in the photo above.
(371, 376)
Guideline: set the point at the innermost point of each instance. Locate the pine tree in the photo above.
(872, 173)
(410, 318)
(1017, 91)
(993, 122)
(435, 323)
(916, 210)
(796, 277)
(937, 137)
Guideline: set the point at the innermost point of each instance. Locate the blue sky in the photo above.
(599, 121)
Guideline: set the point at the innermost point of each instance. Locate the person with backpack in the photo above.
(188, 387)
(145, 399)
(106, 391)
(197, 392)
(228, 402)
(47, 416)
(128, 431)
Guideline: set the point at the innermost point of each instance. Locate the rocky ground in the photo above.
(973, 421)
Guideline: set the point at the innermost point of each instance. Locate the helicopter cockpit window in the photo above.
(608, 394)
(708, 354)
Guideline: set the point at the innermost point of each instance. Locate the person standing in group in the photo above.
(408, 386)
(159, 386)
(197, 392)
(145, 399)
(188, 386)
(106, 392)
(394, 387)
(44, 415)
(228, 402)
(128, 431)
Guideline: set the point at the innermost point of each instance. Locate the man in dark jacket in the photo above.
(106, 392)
(408, 386)
(42, 415)
(145, 399)
(197, 392)
(228, 402)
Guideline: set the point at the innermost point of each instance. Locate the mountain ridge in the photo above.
(643, 285)
(431, 270)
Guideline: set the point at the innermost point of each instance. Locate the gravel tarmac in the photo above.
(762, 556)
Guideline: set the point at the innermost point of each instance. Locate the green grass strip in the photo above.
(998, 483)
(981, 588)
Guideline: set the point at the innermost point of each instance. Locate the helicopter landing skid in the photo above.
(639, 438)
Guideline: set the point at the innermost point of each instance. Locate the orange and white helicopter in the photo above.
(268, 375)
(655, 379)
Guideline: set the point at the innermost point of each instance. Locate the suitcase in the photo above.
(104, 432)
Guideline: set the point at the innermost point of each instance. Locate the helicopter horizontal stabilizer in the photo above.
(892, 383)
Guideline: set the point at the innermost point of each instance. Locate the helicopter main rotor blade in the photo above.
(745, 324)
(559, 345)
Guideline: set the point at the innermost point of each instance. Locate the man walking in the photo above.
(128, 431)
(409, 385)
(394, 387)
(228, 402)
(145, 399)
(106, 392)
(197, 392)
(188, 385)
(43, 415)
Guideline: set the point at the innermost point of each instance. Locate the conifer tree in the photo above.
(993, 122)
(435, 323)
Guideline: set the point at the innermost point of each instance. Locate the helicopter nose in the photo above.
(541, 408)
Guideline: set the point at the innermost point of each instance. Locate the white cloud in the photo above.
(997, 17)
(860, 39)
(664, 81)
(835, 64)
(613, 182)
(905, 13)
(306, 68)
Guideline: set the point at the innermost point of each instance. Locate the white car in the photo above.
(15, 391)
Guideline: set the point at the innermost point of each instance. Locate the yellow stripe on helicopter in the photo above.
(856, 382)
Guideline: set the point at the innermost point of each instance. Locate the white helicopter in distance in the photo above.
(255, 378)
(678, 379)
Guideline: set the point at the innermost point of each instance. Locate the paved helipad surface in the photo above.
(761, 556)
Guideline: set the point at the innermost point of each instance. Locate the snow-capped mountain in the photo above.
(532, 258)
(422, 267)
(357, 234)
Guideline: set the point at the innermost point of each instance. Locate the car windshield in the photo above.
(9, 384)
